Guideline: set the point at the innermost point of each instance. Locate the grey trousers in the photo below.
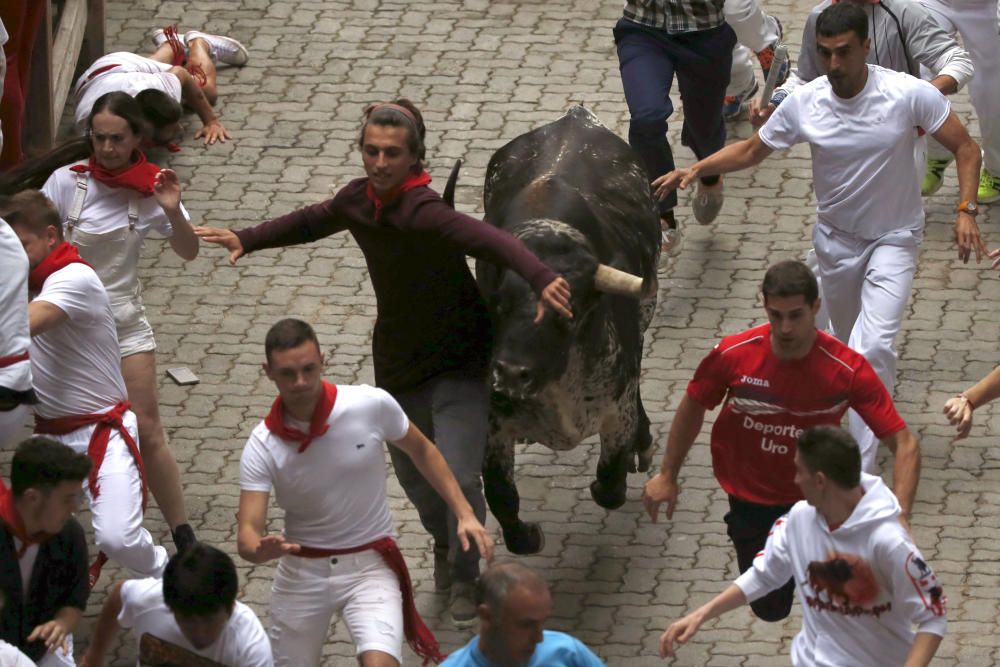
(452, 412)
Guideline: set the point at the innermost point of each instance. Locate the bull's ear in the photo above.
(449, 189)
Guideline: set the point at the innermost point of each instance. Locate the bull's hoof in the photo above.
(608, 498)
(644, 459)
(524, 539)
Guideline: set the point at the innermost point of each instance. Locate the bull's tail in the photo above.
(449, 188)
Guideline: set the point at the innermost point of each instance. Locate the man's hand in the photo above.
(212, 132)
(470, 530)
(227, 238)
(556, 297)
(759, 114)
(959, 413)
(167, 189)
(679, 632)
(274, 546)
(660, 490)
(53, 634)
(678, 178)
(968, 238)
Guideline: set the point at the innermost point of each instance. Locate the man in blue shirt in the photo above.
(513, 603)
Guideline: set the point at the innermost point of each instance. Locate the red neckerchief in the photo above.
(275, 420)
(62, 256)
(412, 181)
(10, 516)
(418, 635)
(139, 176)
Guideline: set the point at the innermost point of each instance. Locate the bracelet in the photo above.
(972, 406)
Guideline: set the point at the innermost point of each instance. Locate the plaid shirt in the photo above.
(674, 16)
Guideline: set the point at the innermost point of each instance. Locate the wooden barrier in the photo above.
(77, 38)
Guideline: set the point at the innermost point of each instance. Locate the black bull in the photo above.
(578, 197)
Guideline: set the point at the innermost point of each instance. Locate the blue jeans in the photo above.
(648, 59)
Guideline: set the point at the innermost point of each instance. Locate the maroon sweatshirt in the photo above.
(431, 316)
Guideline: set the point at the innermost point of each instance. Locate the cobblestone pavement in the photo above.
(484, 71)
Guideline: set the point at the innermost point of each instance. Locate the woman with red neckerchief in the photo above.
(433, 337)
(109, 202)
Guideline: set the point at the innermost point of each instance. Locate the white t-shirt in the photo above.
(10, 656)
(333, 493)
(77, 365)
(15, 336)
(105, 208)
(134, 74)
(243, 642)
(862, 148)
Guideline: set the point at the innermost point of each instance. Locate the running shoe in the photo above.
(708, 202)
(670, 236)
(733, 105)
(766, 57)
(934, 177)
(161, 35)
(224, 49)
(989, 187)
(462, 603)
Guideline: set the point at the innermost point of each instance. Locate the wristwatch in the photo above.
(969, 207)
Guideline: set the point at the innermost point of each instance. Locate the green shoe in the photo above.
(989, 187)
(934, 177)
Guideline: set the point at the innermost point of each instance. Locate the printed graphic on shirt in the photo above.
(926, 583)
(154, 652)
(844, 584)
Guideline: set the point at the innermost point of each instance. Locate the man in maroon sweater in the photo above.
(432, 340)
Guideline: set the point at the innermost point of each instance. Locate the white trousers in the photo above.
(755, 31)
(866, 286)
(12, 424)
(307, 592)
(976, 21)
(116, 512)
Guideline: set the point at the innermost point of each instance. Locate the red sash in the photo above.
(275, 420)
(99, 439)
(61, 256)
(139, 176)
(13, 359)
(418, 635)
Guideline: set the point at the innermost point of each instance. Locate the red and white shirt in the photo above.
(769, 402)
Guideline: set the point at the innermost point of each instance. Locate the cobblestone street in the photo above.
(483, 72)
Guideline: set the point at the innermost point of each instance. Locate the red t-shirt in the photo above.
(769, 402)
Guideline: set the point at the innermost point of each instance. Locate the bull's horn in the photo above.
(611, 280)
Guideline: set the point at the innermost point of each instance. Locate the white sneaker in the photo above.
(708, 202)
(224, 49)
(159, 36)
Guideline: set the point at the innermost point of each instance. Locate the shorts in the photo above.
(134, 331)
(359, 587)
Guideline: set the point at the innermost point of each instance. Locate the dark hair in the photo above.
(286, 334)
(832, 451)
(411, 119)
(500, 578)
(840, 18)
(790, 278)
(158, 108)
(42, 463)
(31, 210)
(200, 581)
(32, 173)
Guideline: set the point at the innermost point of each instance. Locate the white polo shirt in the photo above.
(134, 74)
(333, 493)
(862, 148)
(243, 642)
(76, 366)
